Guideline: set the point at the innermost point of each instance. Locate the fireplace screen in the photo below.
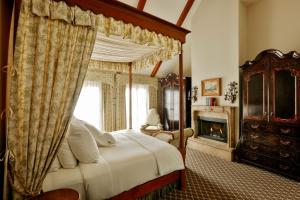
(212, 128)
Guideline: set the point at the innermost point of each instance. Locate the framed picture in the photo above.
(211, 87)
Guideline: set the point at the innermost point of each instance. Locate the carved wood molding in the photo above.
(278, 54)
(171, 77)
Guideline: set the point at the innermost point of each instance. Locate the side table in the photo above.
(59, 194)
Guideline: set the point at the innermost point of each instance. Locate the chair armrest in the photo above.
(187, 132)
(164, 132)
(166, 136)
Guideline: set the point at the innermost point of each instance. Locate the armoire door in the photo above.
(255, 91)
(284, 91)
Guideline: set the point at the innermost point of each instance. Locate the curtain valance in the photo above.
(61, 11)
(122, 79)
(167, 47)
(107, 25)
(102, 76)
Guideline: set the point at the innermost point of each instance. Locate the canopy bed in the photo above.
(55, 42)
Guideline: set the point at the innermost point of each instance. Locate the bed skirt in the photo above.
(162, 192)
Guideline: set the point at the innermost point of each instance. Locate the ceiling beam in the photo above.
(185, 12)
(141, 4)
(180, 21)
(156, 68)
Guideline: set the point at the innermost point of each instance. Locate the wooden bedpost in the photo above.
(130, 95)
(181, 105)
(181, 120)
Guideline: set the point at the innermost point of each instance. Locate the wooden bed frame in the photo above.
(128, 14)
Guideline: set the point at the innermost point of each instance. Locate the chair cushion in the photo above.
(152, 128)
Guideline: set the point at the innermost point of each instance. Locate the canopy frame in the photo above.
(131, 15)
(128, 14)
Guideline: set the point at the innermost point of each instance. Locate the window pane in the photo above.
(89, 104)
(140, 105)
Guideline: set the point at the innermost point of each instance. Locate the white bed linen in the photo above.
(134, 159)
(131, 162)
(65, 178)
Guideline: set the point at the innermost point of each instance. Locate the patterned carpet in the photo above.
(209, 177)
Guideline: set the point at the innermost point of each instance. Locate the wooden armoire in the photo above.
(169, 101)
(270, 115)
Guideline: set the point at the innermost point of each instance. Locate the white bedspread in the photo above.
(135, 159)
(65, 178)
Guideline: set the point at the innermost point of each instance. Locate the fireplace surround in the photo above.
(212, 128)
(210, 124)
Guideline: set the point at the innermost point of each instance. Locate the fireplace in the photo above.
(213, 128)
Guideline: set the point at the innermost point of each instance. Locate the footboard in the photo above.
(153, 185)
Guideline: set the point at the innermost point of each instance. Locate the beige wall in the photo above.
(243, 34)
(273, 24)
(215, 44)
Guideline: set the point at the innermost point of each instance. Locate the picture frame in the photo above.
(211, 87)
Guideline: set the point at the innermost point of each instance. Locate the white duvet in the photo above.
(135, 159)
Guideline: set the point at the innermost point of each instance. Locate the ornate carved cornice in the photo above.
(274, 52)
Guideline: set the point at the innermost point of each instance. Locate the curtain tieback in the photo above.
(13, 70)
(3, 113)
(10, 158)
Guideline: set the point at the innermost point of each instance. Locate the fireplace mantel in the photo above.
(213, 147)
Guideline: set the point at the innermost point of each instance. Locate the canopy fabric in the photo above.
(117, 49)
(140, 46)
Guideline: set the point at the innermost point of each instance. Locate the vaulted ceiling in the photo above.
(172, 11)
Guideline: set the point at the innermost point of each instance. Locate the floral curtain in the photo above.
(152, 97)
(120, 103)
(108, 107)
(52, 50)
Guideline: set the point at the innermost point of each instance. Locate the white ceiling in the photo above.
(169, 10)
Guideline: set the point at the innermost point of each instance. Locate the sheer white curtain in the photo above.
(89, 106)
(140, 105)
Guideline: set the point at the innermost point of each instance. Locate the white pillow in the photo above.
(55, 165)
(99, 137)
(65, 155)
(109, 137)
(82, 143)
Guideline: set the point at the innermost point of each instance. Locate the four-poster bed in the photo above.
(164, 32)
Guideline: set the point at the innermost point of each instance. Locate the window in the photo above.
(140, 105)
(89, 105)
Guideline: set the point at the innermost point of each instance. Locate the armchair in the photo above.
(152, 124)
